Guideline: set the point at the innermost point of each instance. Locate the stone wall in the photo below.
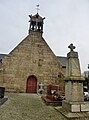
(31, 57)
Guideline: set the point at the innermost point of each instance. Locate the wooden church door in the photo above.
(31, 84)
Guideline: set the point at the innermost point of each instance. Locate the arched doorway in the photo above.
(31, 86)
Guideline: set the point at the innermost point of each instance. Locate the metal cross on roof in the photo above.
(71, 47)
(37, 8)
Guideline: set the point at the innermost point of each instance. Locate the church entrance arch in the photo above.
(31, 86)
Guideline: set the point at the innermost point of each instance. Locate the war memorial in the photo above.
(74, 107)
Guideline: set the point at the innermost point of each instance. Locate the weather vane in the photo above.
(37, 8)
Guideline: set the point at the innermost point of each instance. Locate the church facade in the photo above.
(31, 62)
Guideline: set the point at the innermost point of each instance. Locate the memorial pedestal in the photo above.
(75, 106)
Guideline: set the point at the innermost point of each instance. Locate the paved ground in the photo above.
(21, 106)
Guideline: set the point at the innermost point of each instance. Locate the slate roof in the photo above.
(2, 56)
(62, 60)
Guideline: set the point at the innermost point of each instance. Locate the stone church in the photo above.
(31, 62)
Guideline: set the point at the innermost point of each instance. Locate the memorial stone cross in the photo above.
(71, 47)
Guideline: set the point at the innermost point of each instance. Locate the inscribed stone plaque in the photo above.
(75, 108)
(85, 107)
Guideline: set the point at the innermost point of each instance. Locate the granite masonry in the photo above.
(31, 63)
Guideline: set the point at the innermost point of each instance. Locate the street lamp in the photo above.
(88, 71)
(88, 66)
(88, 79)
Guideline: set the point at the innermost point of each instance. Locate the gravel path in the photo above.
(22, 106)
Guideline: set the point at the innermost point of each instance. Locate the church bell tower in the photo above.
(36, 23)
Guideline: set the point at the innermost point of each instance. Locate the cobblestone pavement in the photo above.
(22, 106)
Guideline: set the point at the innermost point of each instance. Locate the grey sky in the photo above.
(67, 21)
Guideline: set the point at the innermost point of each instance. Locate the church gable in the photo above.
(34, 49)
(32, 57)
